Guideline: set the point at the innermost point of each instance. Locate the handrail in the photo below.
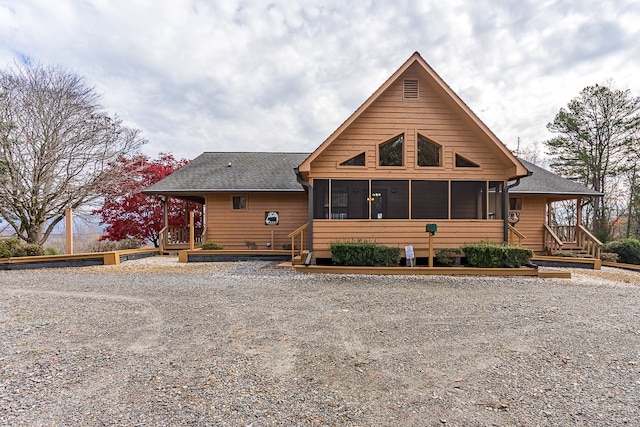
(513, 231)
(162, 237)
(589, 242)
(552, 242)
(298, 232)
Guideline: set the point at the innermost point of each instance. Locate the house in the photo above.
(411, 154)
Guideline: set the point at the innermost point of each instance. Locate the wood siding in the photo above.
(451, 233)
(532, 219)
(430, 115)
(232, 228)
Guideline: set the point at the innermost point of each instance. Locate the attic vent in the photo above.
(411, 89)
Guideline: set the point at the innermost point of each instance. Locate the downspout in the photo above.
(505, 207)
(308, 186)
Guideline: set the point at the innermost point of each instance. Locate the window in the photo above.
(468, 200)
(239, 202)
(429, 199)
(391, 152)
(515, 203)
(389, 199)
(428, 152)
(354, 161)
(461, 162)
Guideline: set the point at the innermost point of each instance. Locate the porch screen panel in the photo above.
(496, 199)
(390, 199)
(349, 199)
(320, 198)
(468, 200)
(429, 199)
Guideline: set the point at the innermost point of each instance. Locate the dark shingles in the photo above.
(544, 182)
(248, 171)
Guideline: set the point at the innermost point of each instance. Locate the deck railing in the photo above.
(552, 242)
(515, 236)
(589, 242)
(570, 235)
(298, 234)
(179, 235)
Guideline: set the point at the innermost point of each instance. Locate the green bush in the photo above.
(628, 250)
(364, 253)
(448, 256)
(28, 249)
(609, 256)
(492, 255)
(14, 247)
(52, 250)
(110, 245)
(5, 250)
(566, 254)
(211, 246)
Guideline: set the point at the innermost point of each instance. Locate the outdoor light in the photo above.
(431, 228)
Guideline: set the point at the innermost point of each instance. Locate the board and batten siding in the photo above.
(233, 228)
(451, 233)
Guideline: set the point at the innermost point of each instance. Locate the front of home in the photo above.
(412, 154)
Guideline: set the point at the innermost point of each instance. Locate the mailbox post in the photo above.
(431, 229)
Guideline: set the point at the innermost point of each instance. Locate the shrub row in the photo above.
(628, 250)
(364, 253)
(211, 246)
(111, 245)
(14, 247)
(492, 255)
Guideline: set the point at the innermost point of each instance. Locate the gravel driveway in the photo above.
(154, 342)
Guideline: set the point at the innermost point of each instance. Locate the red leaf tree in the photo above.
(128, 213)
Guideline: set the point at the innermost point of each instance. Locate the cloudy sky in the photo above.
(281, 75)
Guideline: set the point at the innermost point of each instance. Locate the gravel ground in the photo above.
(154, 342)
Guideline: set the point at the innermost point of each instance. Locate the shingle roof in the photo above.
(544, 182)
(254, 171)
(233, 172)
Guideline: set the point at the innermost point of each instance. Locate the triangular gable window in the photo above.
(428, 152)
(354, 161)
(461, 162)
(391, 152)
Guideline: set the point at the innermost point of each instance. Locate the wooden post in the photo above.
(191, 231)
(68, 216)
(272, 240)
(430, 249)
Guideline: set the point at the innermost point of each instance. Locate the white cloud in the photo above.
(281, 76)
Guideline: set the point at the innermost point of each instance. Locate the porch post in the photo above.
(68, 231)
(165, 211)
(579, 211)
(191, 230)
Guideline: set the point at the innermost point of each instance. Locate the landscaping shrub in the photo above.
(52, 250)
(609, 256)
(364, 253)
(28, 249)
(109, 245)
(14, 247)
(492, 255)
(628, 250)
(566, 254)
(448, 256)
(211, 246)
